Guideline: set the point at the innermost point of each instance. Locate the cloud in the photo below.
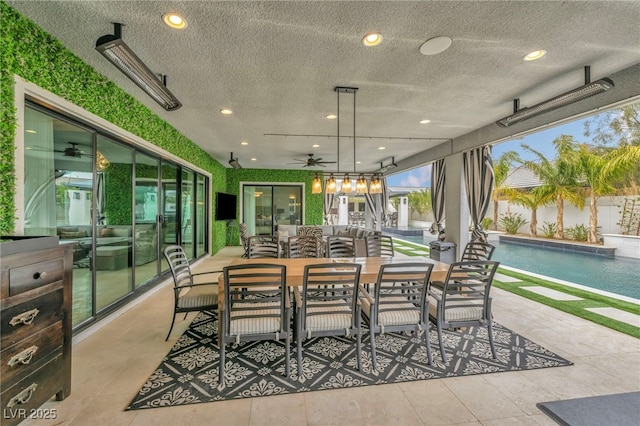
(420, 177)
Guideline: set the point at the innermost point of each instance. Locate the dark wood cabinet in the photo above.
(36, 277)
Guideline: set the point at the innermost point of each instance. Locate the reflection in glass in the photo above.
(266, 206)
(188, 210)
(201, 224)
(169, 204)
(146, 211)
(58, 194)
(114, 231)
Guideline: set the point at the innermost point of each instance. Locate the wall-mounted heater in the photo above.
(112, 47)
(589, 89)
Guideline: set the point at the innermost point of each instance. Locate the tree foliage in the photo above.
(559, 177)
(420, 201)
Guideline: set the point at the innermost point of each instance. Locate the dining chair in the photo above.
(264, 246)
(477, 250)
(256, 307)
(244, 238)
(398, 303)
(187, 295)
(300, 246)
(316, 232)
(379, 246)
(341, 246)
(328, 305)
(463, 299)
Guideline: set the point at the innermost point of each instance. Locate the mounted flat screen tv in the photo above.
(225, 206)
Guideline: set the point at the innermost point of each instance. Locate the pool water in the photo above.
(617, 275)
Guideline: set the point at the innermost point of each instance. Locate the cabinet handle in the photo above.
(23, 357)
(25, 317)
(23, 397)
(42, 275)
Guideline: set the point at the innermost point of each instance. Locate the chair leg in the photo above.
(374, 361)
(493, 347)
(428, 341)
(444, 357)
(359, 348)
(299, 343)
(287, 352)
(173, 320)
(221, 367)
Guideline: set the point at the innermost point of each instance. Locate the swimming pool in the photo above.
(617, 275)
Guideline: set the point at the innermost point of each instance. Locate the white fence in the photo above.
(609, 213)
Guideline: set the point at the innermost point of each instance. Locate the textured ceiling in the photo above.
(276, 65)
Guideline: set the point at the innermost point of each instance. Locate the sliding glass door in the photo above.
(118, 204)
(266, 206)
(146, 216)
(114, 225)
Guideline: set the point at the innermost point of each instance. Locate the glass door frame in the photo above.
(272, 185)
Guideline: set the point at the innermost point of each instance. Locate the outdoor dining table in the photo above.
(368, 273)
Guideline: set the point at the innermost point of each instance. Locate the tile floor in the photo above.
(113, 360)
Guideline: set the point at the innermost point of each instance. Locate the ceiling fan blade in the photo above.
(328, 162)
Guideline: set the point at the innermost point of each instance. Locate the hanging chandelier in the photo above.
(361, 185)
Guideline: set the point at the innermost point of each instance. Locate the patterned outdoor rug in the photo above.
(189, 373)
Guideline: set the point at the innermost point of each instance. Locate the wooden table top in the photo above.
(368, 273)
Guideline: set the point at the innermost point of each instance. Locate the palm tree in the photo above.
(601, 170)
(559, 178)
(531, 200)
(501, 171)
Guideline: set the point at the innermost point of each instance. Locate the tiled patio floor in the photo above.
(111, 363)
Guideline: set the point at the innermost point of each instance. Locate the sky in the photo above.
(420, 177)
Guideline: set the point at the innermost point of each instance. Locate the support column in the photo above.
(456, 207)
(403, 213)
(343, 210)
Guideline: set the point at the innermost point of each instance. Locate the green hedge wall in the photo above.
(313, 202)
(118, 182)
(37, 57)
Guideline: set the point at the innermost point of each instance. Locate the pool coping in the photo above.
(596, 250)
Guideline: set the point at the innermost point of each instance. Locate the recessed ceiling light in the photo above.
(226, 111)
(382, 147)
(244, 143)
(358, 162)
(532, 56)
(331, 117)
(30, 131)
(372, 39)
(315, 145)
(425, 121)
(435, 45)
(253, 159)
(174, 20)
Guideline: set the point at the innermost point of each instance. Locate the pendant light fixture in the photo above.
(331, 185)
(361, 185)
(376, 185)
(347, 186)
(316, 185)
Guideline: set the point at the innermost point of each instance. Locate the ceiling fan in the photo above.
(312, 162)
(73, 151)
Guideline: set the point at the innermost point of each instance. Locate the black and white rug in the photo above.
(189, 373)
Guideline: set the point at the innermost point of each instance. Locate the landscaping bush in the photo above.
(511, 222)
(549, 229)
(578, 232)
(487, 222)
